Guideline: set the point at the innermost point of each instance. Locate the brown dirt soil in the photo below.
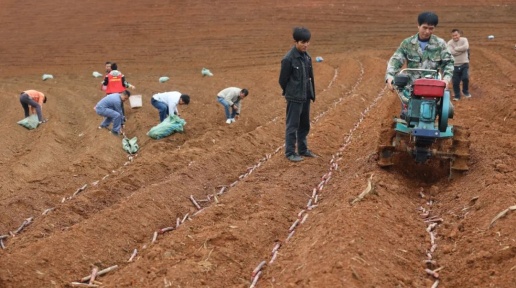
(380, 241)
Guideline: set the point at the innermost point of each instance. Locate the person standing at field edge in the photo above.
(459, 48)
(35, 100)
(297, 82)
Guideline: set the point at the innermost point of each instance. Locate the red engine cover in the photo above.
(429, 87)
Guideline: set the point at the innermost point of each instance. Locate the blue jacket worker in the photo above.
(167, 102)
(111, 108)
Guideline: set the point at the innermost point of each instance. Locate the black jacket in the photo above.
(293, 78)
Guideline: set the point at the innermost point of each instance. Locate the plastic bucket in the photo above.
(135, 101)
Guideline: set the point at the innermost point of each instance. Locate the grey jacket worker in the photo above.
(297, 81)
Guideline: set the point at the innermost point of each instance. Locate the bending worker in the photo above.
(35, 100)
(111, 108)
(167, 102)
(231, 98)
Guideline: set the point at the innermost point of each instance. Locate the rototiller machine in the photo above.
(422, 129)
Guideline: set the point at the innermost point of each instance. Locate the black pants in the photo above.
(297, 127)
(460, 73)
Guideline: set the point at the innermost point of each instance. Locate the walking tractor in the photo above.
(422, 129)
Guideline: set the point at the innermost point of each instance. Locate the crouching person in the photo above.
(111, 107)
(232, 97)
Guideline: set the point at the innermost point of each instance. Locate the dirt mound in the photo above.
(87, 204)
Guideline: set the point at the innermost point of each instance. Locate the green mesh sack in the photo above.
(170, 125)
(30, 122)
(130, 145)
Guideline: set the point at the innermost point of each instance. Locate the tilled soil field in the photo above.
(262, 220)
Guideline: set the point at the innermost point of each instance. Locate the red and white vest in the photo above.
(115, 84)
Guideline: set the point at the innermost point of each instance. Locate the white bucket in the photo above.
(135, 101)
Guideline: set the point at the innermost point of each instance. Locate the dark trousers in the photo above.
(297, 127)
(460, 73)
(25, 101)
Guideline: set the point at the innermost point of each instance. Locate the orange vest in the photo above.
(115, 84)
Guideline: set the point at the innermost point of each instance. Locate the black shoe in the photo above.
(295, 158)
(309, 153)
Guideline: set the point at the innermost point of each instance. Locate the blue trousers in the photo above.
(225, 103)
(297, 127)
(110, 116)
(162, 108)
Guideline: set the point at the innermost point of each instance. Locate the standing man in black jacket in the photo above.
(297, 81)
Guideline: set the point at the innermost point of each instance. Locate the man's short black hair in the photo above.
(185, 98)
(108, 62)
(429, 18)
(301, 34)
(245, 92)
(114, 66)
(127, 92)
(457, 30)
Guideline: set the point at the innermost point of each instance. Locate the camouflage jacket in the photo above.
(436, 56)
